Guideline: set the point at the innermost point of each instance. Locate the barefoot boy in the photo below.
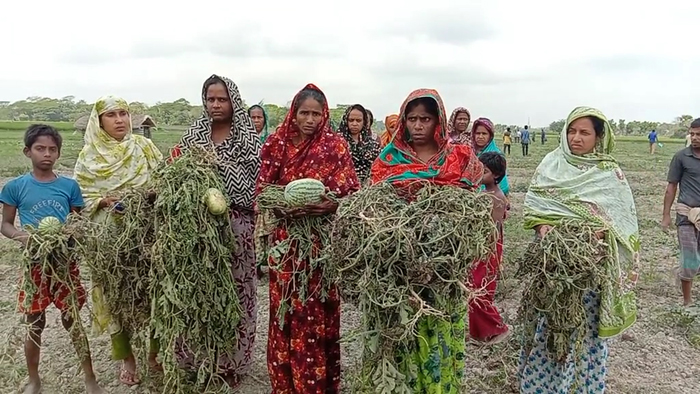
(485, 322)
(34, 196)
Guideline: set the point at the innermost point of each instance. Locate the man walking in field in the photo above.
(684, 174)
(653, 139)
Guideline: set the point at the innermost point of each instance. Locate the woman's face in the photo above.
(355, 121)
(219, 105)
(309, 116)
(116, 123)
(421, 125)
(258, 117)
(462, 122)
(392, 127)
(581, 137)
(482, 137)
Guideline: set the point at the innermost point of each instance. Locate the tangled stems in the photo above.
(118, 252)
(195, 304)
(296, 257)
(401, 262)
(559, 269)
(55, 253)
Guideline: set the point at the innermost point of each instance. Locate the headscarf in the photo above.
(370, 119)
(106, 165)
(390, 123)
(455, 136)
(490, 147)
(239, 154)
(367, 149)
(591, 188)
(325, 156)
(265, 131)
(452, 165)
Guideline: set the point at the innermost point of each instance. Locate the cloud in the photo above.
(503, 59)
(440, 23)
(632, 62)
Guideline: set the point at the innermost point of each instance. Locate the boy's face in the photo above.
(43, 153)
(488, 178)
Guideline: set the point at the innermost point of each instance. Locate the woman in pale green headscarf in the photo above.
(113, 159)
(260, 120)
(580, 180)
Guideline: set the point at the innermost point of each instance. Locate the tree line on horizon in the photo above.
(181, 113)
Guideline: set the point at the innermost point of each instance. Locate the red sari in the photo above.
(485, 321)
(303, 356)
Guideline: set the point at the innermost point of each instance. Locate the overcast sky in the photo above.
(504, 59)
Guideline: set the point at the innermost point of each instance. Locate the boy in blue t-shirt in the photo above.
(34, 196)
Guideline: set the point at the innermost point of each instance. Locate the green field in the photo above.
(13, 162)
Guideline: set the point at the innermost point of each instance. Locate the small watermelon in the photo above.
(216, 202)
(50, 225)
(304, 191)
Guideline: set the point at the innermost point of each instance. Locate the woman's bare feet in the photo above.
(91, 387)
(153, 363)
(33, 387)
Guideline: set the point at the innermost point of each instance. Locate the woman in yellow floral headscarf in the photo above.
(113, 159)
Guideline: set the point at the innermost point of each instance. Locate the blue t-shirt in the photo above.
(652, 137)
(36, 200)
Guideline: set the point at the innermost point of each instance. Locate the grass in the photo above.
(663, 342)
(14, 163)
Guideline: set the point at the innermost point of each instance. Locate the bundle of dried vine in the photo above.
(195, 303)
(118, 252)
(558, 270)
(307, 235)
(51, 246)
(401, 261)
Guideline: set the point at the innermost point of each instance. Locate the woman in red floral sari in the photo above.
(303, 355)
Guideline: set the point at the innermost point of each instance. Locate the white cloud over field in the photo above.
(504, 59)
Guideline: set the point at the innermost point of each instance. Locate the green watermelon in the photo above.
(304, 191)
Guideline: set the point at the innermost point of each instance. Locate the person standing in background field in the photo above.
(517, 136)
(458, 126)
(485, 322)
(506, 141)
(354, 127)
(653, 139)
(370, 120)
(543, 136)
(684, 171)
(525, 140)
(258, 115)
(390, 123)
(687, 139)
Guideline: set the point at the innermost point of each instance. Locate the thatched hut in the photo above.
(142, 124)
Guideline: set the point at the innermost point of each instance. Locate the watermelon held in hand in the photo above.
(304, 191)
(50, 225)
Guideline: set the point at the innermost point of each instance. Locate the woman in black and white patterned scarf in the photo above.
(226, 127)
